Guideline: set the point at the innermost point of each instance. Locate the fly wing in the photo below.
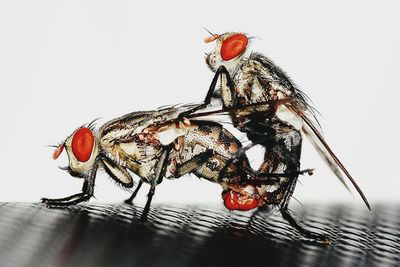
(322, 151)
(124, 128)
(318, 141)
(164, 115)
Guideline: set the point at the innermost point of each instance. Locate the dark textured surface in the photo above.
(110, 235)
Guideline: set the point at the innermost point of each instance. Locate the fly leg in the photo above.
(235, 159)
(87, 193)
(146, 209)
(270, 178)
(301, 172)
(159, 172)
(129, 200)
(227, 92)
(289, 218)
(267, 132)
(181, 169)
(63, 199)
(193, 163)
(257, 175)
(283, 155)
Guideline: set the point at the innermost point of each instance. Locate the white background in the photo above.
(64, 63)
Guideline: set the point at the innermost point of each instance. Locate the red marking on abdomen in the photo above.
(236, 201)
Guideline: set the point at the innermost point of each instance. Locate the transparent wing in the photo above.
(319, 143)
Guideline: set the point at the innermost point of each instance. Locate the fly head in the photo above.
(229, 50)
(82, 151)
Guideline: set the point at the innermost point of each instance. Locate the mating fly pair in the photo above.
(261, 101)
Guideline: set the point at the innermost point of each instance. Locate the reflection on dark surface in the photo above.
(111, 235)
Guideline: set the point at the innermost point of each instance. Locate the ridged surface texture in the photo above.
(112, 235)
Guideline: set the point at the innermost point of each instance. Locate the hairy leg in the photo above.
(159, 172)
(130, 199)
(87, 193)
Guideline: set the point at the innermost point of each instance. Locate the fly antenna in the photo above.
(211, 38)
(53, 146)
(212, 34)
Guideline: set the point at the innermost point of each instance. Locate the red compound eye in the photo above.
(233, 46)
(82, 144)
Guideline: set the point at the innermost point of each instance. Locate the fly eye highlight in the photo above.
(82, 144)
(233, 46)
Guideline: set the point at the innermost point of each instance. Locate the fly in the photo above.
(248, 78)
(154, 145)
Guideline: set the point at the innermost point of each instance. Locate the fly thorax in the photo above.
(126, 151)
